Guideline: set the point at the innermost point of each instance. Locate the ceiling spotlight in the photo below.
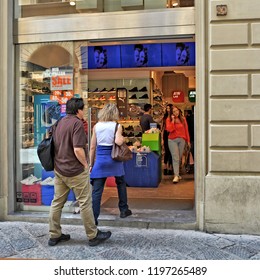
(72, 3)
(174, 3)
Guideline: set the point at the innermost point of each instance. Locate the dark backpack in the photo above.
(45, 150)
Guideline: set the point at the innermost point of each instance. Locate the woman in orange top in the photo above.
(178, 136)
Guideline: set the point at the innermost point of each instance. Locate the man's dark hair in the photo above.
(73, 105)
(147, 107)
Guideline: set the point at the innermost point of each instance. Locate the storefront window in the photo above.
(29, 8)
(48, 73)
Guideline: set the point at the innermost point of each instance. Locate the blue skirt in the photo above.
(104, 165)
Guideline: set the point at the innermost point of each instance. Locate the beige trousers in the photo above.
(81, 188)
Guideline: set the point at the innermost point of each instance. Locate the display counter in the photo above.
(143, 170)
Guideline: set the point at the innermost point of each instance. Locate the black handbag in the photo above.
(122, 152)
(45, 150)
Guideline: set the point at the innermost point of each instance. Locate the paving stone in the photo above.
(241, 251)
(211, 253)
(6, 250)
(34, 253)
(23, 243)
(116, 254)
(255, 257)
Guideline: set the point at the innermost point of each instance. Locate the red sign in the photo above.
(62, 82)
(178, 96)
(62, 96)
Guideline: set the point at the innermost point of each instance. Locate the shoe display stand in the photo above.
(29, 88)
(99, 97)
(101, 92)
(132, 131)
(158, 104)
(26, 112)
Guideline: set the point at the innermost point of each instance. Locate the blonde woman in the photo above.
(178, 136)
(101, 163)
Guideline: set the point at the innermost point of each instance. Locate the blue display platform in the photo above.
(143, 170)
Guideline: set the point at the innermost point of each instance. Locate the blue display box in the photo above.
(143, 170)
(46, 174)
(47, 192)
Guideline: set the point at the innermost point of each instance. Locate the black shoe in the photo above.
(55, 241)
(112, 89)
(145, 96)
(101, 236)
(134, 89)
(143, 89)
(138, 134)
(133, 96)
(125, 214)
(157, 98)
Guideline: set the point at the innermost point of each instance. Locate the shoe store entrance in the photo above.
(132, 75)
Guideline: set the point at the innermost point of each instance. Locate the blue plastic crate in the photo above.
(143, 170)
(47, 192)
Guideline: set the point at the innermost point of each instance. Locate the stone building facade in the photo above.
(227, 35)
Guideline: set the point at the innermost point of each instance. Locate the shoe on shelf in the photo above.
(145, 96)
(143, 89)
(175, 179)
(55, 241)
(112, 89)
(101, 236)
(125, 214)
(134, 89)
(133, 96)
(157, 98)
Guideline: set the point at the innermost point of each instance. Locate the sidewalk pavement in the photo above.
(27, 240)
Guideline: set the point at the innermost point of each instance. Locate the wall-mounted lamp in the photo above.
(72, 3)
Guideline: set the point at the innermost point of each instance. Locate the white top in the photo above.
(105, 133)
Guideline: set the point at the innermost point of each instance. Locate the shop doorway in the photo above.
(167, 202)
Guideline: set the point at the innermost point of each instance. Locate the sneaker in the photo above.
(55, 241)
(125, 214)
(48, 181)
(145, 96)
(30, 180)
(112, 89)
(101, 236)
(175, 179)
(143, 89)
(134, 89)
(133, 96)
